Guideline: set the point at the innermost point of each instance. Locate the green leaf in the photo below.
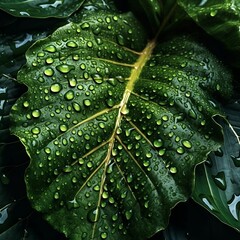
(115, 124)
(220, 19)
(40, 8)
(218, 181)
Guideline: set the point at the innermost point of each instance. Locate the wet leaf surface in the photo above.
(114, 125)
(40, 8)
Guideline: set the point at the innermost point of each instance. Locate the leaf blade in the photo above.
(94, 80)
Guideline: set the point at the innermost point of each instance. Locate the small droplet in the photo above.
(49, 60)
(35, 130)
(56, 195)
(103, 235)
(76, 106)
(64, 68)
(173, 170)
(120, 40)
(128, 214)
(26, 104)
(180, 150)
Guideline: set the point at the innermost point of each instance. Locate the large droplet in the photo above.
(158, 143)
(48, 72)
(36, 113)
(187, 144)
(64, 68)
(50, 49)
(93, 215)
(56, 87)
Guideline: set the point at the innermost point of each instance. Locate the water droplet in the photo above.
(89, 44)
(115, 217)
(128, 214)
(49, 60)
(213, 13)
(56, 195)
(158, 143)
(56, 87)
(36, 113)
(161, 152)
(50, 49)
(67, 169)
(97, 78)
(85, 25)
(64, 68)
(110, 102)
(187, 144)
(93, 215)
(180, 150)
(26, 104)
(72, 44)
(35, 130)
(120, 40)
(87, 102)
(220, 180)
(219, 152)
(103, 235)
(69, 95)
(173, 170)
(63, 127)
(48, 72)
(76, 106)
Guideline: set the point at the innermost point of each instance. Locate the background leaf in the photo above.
(112, 127)
(218, 181)
(220, 19)
(40, 8)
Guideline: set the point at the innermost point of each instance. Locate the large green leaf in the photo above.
(114, 124)
(218, 181)
(40, 8)
(220, 19)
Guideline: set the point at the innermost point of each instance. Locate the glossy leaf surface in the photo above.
(220, 19)
(40, 8)
(115, 124)
(218, 181)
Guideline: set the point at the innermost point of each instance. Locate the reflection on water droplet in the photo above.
(72, 44)
(35, 130)
(67, 169)
(173, 170)
(63, 127)
(87, 102)
(236, 161)
(158, 143)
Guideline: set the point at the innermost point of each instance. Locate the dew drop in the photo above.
(120, 40)
(158, 143)
(69, 95)
(56, 87)
(48, 72)
(97, 78)
(103, 235)
(76, 106)
(110, 102)
(93, 215)
(63, 127)
(67, 169)
(56, 195)
(49, 60)
(128, 214)
(36, 113)
(26, 104)
(35, 130)
(187, 144)
(173, 170)
(161, 152)
(87, 102)
(64, 68)
(50, 49)
(72, 44)
(85, 25)
(236, 161)
(180, 150)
